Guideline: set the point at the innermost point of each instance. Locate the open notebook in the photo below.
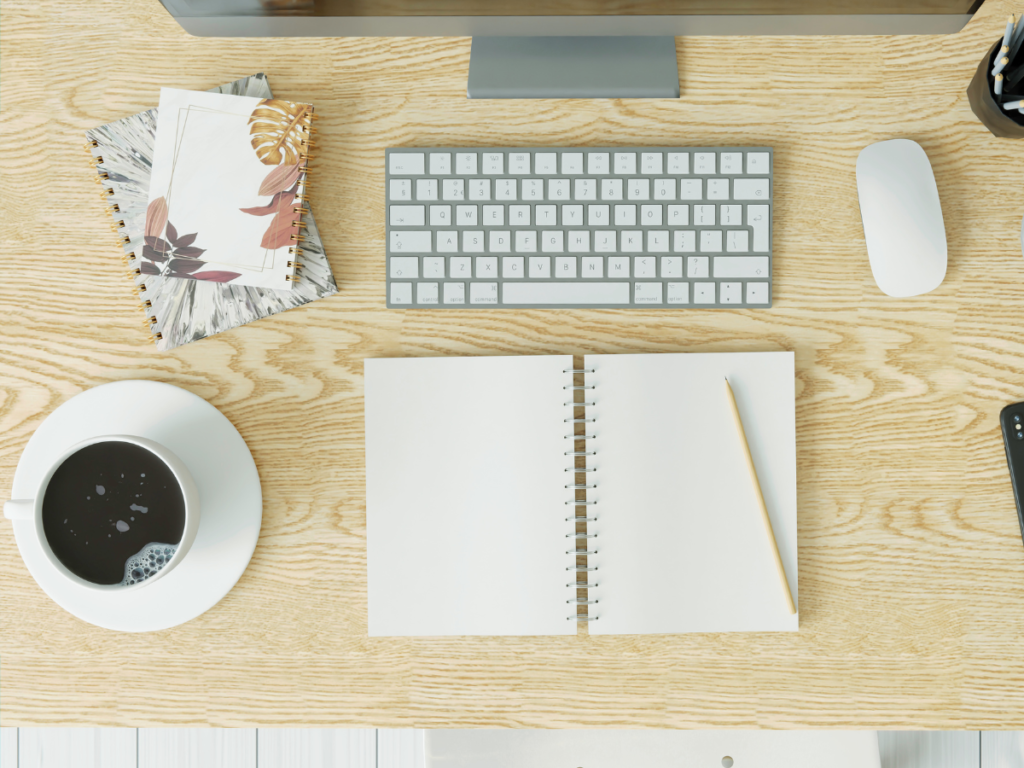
(470, 504)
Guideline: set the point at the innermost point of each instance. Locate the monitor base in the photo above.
(573, 68)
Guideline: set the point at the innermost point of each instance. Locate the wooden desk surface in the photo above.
(911, 562)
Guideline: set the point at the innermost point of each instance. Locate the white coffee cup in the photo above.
(32, 509)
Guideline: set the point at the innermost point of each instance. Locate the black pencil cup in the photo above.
(1005, 125)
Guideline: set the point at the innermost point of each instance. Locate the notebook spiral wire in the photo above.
(583, 542)
(118, 227)
(302, 200)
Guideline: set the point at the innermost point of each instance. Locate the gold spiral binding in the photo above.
(292, 278)
(295, 264)
(298, 238)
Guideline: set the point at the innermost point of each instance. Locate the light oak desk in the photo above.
(911, 562)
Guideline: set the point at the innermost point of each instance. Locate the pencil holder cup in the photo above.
(1002, 123)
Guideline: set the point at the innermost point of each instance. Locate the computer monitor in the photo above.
(569, 48)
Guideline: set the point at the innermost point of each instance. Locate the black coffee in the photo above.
(111, 503)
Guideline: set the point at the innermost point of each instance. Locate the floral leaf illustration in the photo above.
(157, 244)
(151, 253)
(172, 233)
(189, 253)
(280, 231)
(279, 179)
(277, 130)
(184, 240)
(185, 265)
(281, 201)
(215, 276)
(149, 269)
(156, 217)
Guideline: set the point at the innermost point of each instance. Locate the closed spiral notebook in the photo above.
(524, 496)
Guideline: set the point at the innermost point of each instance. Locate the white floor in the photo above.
(384, 748)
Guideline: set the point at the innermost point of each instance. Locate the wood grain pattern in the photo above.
(197, 747)
(911, 564)
(76, 748)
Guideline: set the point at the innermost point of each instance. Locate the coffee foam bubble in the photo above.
(148, 562)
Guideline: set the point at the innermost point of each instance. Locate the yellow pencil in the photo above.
(760, 499)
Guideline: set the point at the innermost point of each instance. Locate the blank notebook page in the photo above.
(465, 487)
(681, 545)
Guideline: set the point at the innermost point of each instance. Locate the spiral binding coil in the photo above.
(302, 199)
(580, 534)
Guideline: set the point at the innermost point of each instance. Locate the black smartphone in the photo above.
(1011, 420)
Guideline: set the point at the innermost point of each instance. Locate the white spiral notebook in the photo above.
(476, 521)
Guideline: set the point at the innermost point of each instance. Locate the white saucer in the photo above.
(230, 501)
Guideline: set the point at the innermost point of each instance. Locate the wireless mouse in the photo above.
(903, 227)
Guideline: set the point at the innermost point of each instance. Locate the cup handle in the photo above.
(19, 509)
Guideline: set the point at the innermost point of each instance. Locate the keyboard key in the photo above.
(545, 163)
(552, 241)
(512, 267)
(664, 189)
(650, 163)
(579, 241)
(519, 215)
(545, 215)
(572, 163)
(426, 189)
(440, 215)
(410, 242)
(684, 241)
(731, 162)
(711, 241)
(645, 266)
(647, 293)
(678, 293)
(400, 189)
(526, 241)
(639, 189)
(718, 189)
(540, 267)
(465, 215)
(572, 215)
(730, 293)
(440, 163)
(631, 241)
(750, 189)
(611, 189)
(401, 293)
(757, 218)
(597, 215)
(473, 241)
(691, 189)
(565, 266)
(433, 266)
(593, 266)
(650, 215)
(426, 293)
(737, 241)
(499, 241)
(454, 293)
(518, 163)
(504, 189)
(584, 189)
(671, 266)
(678, 215)
(460, 266)
(657, 241)
(406, 215)
(618, 266)
(731, 215)
(533, 189)
(697, 266)
(704, 162)
(759, 162)
(448, 241)
(741, 266)
(757, 293)
(494, 216)
(405, 164)
(625, 163)
(704, 215)
(558, 189)
(483, 293)
(453, 189)
(566, 293)
(494, 163)
(465, 163)
(625, 215)
(597, 163)
(678, 163)
(703, 293)
(605, 241)
(479, 189)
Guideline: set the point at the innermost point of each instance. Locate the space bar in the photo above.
(565, 293)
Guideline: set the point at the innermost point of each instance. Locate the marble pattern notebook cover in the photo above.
(187, 310)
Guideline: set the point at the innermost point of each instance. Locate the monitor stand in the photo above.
(573, 68)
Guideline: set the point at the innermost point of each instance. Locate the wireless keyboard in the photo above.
(584, 227)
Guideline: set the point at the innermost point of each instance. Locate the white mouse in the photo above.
(899, 204)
